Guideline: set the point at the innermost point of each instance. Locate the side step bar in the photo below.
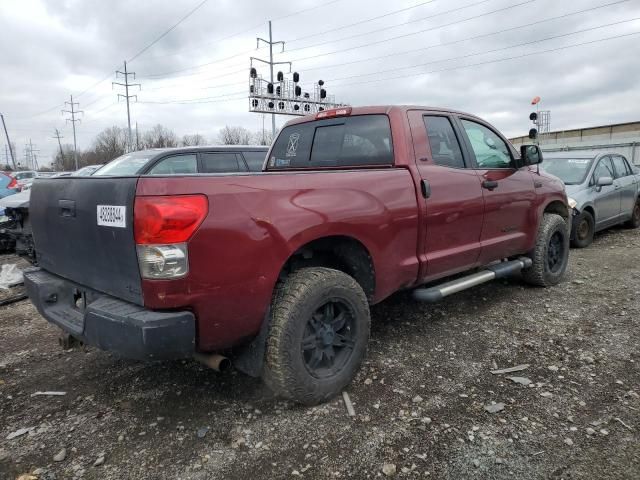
(492, 272)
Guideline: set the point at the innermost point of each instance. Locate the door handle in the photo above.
(425, 188)
(618, 187)
(490, 184)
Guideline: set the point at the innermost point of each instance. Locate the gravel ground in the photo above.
(420, 399)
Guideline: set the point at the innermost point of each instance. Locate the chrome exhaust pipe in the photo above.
(217, 362)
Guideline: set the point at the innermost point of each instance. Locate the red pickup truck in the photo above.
(277, 269)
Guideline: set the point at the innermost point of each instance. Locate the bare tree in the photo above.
(263, 137)
(109, 144)
(193, 140)
(159, 137)
(235, 136)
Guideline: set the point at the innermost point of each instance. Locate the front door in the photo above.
(454, 206)
(607, 197)
(508, 191)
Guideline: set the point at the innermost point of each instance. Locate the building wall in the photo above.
(621, 138)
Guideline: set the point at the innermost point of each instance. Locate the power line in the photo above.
(169, 30)
(235, 72)
(396, 69)
(188, 101)
(430, 29)
(454, 42)
(324, 4)
(212, 62)
(524, 55)
(439, 14)
(395, 12)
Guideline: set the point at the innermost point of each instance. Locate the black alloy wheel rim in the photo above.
(329, 339)
(583, 229)
(555, 252)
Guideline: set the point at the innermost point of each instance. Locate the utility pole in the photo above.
(126, 96)
(73, 121)
(58, 136)
(271, 63)
(29, 154)
(13, 158)
(137, 138)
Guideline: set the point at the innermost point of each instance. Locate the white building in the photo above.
(622, 138)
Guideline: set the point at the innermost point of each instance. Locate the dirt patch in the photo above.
(420, 398)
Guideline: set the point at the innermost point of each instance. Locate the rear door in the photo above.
(606, 198)
(454, 204)
(626, 183)
(508, 192)
(83, 231)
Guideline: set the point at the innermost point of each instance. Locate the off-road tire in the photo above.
(295, 301)
(582, 242)
(539, 273)
(634, 222)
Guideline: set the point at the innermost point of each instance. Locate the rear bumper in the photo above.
(109, 323)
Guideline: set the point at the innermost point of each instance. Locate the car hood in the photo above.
(573, 189)
(16, 201)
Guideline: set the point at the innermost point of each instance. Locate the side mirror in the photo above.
(530, 154)
(604, 181)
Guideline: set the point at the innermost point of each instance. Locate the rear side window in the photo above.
(254, 160)
(340, 142)
(175, 165)
(621, 167)
(221, 162)
(445, 148)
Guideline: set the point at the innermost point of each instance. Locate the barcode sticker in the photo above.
(112, 216)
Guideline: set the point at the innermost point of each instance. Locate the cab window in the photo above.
(489, 149)
(445, 148)
(175, 165)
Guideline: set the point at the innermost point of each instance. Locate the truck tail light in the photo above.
(162, 225)
(168, 219)
(163, 261)
(336, 112)
(13, 183)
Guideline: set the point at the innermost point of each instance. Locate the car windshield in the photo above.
(128, 164)
(572, 171)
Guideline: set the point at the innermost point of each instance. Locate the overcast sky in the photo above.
(465, 54)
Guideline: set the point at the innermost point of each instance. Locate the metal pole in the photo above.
(273, 115)
(126, 91)
(13, 159)
(73, 123)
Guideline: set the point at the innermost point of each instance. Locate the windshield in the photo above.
(128, 164)
(572, 171)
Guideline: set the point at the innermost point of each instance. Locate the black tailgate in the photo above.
(70, 243)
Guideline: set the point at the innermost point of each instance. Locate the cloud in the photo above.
(439, 53)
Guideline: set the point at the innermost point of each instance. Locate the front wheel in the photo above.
(318, 335)
(550, 255)
(634, 222)
(584, 228)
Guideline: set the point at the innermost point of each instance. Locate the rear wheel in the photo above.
(550, 255)
(634, 222)
(318, 335)
(584, 228)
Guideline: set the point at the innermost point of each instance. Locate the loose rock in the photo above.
(60, 456)
(494, 408)
(389, 469)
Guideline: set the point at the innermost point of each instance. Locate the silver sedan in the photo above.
(602, 189)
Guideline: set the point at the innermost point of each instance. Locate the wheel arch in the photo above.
(340, 252)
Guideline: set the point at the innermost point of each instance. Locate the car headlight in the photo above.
(572, 202)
